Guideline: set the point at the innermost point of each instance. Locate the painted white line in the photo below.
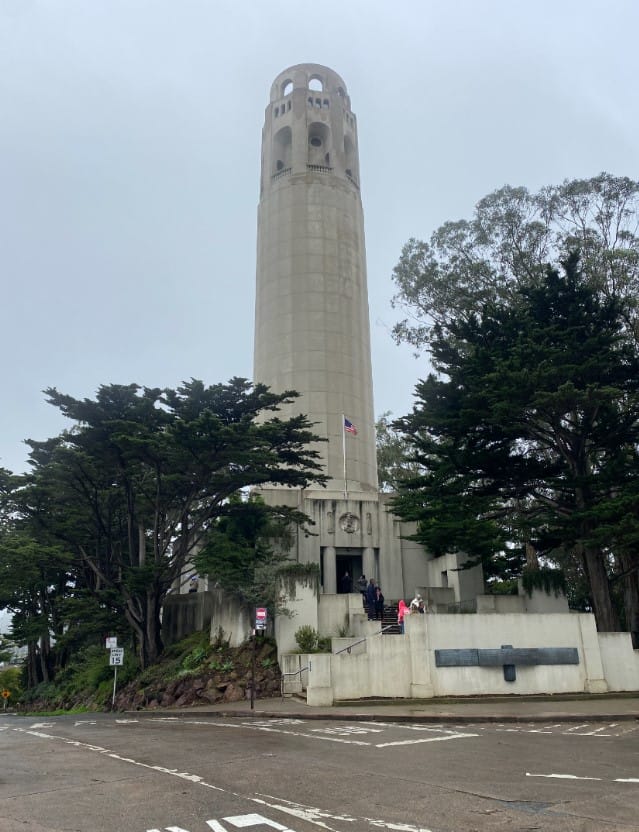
(242, 821)
(312, 815)
(347, 729)
(425, 739)
(315, 733)
(84, 722)
(42, 725)
(562, 776)
(125, 721)
(576, 728)
(595, 732)
(215, 825)
(577, 777)
(439, 726)
(261, 727)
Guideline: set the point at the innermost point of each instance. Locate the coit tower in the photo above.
(311, 319)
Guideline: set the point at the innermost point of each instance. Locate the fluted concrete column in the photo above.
(368, 563)
(329, 567)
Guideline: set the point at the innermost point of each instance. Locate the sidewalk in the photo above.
(584, 708)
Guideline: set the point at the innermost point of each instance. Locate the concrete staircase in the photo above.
(389, 619)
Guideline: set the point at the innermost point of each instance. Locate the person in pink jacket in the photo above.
(402, 610)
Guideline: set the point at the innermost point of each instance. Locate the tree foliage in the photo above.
(247, 548)
(513, 235)
(393, 454)
(529, 433)
(142, 479)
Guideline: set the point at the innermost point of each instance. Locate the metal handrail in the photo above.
(296, 673)
(362, 640)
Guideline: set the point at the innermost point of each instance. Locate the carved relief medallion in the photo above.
(349, 523)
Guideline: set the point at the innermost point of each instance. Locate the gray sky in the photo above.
(129, 164)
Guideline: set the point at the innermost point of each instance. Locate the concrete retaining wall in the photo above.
(185, 614)
(303, 609)
(620, 661)
(405, 666)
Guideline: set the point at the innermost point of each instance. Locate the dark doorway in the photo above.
(348, 560)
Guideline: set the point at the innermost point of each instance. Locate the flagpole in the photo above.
(344, 455)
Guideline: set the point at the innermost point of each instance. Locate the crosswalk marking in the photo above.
(426, 739)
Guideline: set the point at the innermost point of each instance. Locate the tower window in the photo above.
(315, 84)
(318, 102)
(326, 103)
(310, 101)
(282, 145)
(287, 87)
(316, 141)
(288, 107)
(277, 112)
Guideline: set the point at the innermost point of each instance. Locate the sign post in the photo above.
(260, 625)
(116, 659)
(5, 696)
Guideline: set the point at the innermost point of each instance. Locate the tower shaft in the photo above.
(312, 326)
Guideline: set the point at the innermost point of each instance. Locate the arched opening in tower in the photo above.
(282, 146)
(319, 148)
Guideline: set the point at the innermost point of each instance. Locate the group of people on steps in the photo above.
(373, 599)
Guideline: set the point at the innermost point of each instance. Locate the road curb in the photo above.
(340, 716)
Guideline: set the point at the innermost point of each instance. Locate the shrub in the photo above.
(194, 659)
(307, 638)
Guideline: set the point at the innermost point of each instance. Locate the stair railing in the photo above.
(296, 673)
(362, 640)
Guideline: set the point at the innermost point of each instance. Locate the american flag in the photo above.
(349, 427)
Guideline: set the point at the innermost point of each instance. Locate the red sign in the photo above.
(260, 618)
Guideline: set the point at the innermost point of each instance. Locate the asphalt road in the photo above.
(159, 774)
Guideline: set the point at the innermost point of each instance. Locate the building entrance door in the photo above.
(348, 560)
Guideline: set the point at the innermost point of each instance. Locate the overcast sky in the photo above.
(129, 164)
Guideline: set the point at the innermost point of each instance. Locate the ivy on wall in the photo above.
(544, 578)
(306, 574)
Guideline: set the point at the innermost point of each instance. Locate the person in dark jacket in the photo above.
(346, 584)
(370, 599)
(361, 588)
(379, 604)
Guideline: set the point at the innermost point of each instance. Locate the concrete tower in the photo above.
(312, 335)
(311, 322)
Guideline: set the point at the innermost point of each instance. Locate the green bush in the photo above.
(194, 659)
(307, 638)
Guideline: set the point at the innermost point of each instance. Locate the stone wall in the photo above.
(211, 610)
(185, 614)
(405, 666)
